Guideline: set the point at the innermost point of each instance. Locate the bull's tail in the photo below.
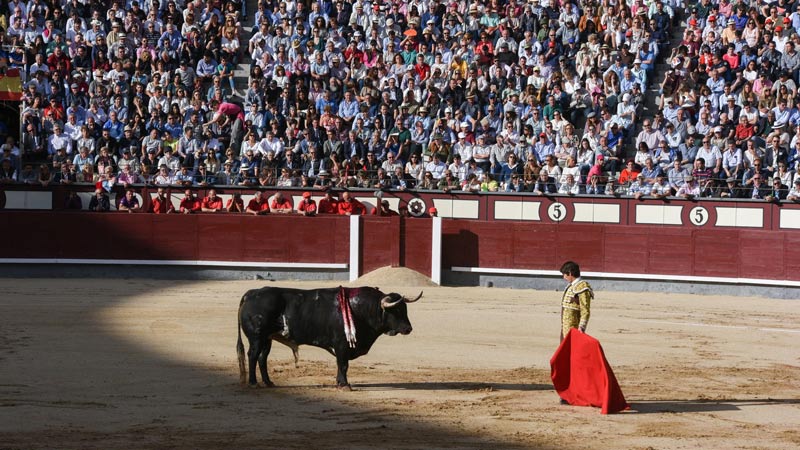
(240, 348)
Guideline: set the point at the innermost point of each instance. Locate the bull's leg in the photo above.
(262, 362)
(342, 364)
(252, 355)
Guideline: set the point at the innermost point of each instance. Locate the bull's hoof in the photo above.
(268, 384)
(344, 387)
(252, 385)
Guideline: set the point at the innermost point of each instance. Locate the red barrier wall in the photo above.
(176, 237)
(380, 243)
(704, 238)
(406, 242)
(623, 249)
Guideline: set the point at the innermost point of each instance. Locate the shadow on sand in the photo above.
(454, 386)
(695, 406)
(204, 408)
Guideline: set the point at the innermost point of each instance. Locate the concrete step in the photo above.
(242, 71)
(652, 94)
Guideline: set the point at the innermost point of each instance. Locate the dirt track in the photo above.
(140, 364)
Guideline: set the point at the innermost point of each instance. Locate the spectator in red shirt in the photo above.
(744, 131)
(328, 204)
(597, 168)
(281, 204)
(350, 206)
(422, 69)
(353, 52)
(258, 206)
(307, 206)
(211, 203)
(55, 109)
(161, 203)
(629, 173)
(189, 203)
(235, 204)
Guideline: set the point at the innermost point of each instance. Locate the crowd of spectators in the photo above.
(539, 96)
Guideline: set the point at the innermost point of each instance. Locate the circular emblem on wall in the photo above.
(557, 212)
(416, 207)
(698, 216)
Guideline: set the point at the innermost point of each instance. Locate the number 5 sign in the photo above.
(698, 216)
(557, 212)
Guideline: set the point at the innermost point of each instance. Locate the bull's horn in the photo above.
(412, 301)
(386, 302)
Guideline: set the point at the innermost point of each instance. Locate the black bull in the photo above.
(296, 317)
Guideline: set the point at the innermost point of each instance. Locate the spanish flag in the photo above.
(10, 85)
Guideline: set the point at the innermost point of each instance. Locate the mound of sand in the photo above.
(393, 276)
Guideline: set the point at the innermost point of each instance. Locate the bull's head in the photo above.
(395, 313)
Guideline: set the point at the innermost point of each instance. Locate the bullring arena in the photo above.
(503, 137)
(132, 363)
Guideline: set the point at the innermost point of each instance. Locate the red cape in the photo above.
(582, 376)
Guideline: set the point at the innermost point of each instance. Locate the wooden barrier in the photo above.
(722, 239)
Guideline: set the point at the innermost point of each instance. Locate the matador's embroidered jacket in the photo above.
(576, 305)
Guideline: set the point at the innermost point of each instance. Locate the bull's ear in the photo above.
(412, 301)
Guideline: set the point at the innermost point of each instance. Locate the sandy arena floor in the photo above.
(103, 364)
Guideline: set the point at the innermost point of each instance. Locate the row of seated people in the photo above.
(260, 204)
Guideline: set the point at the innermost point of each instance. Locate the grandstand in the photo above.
(507, 72)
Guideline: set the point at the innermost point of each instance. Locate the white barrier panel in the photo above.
(516, 210)
(740, 217)
(658, 214)
(790, 218)
(596, 213)
(29, 200)
(456, 209)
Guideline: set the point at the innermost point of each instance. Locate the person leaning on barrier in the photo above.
(794, 193)
(328, 204)
(661, 189)
(235, 204)
(162, 203)
(190, 204)
(758, 190)
(594, 186)
(778, 192)
(350, 206)
(258, 206)
(569, 186)
(280, 204)
(690, 188)
(640, 188)
(212, 202)
(129, 202)
(307, 206)
(100, 201)
(545, 184)
(730, 189)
